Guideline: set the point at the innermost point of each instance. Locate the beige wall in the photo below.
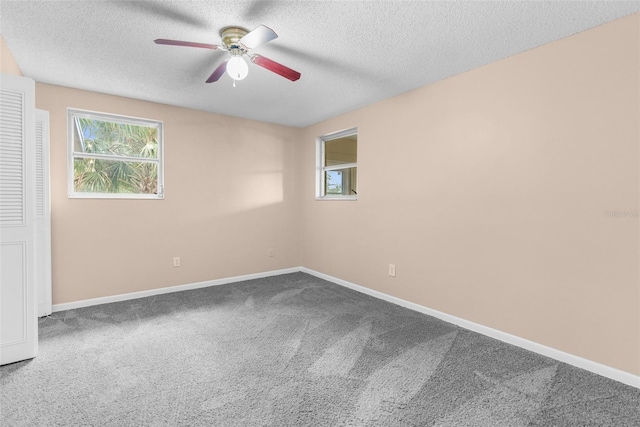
(488, 191)
(8, 64)
(229, 197)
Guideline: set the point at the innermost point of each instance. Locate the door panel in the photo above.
(18, 299)
(13, 298)
(42, 242)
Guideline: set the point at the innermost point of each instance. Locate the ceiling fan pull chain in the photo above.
(234, 82)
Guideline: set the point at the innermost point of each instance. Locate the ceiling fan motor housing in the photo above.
(231, 37)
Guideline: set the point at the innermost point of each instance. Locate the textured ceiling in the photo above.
(350, 53)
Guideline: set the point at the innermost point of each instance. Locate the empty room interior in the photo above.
(392, 213)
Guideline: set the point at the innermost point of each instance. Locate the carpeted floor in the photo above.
(291, 350)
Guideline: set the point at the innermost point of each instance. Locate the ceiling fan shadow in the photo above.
(163, 11)
(258, 8)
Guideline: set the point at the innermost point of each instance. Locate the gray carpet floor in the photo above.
(291, 350)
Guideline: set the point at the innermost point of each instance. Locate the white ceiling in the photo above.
(350, 53)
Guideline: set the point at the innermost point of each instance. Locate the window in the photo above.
(114, 156)
(337, 166)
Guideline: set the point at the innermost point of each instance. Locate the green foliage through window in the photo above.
(115, 156)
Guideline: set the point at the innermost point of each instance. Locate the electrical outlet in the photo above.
(270, 252)
(176, 261)
(392, 270)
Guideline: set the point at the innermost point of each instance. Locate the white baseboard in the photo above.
(169, 289)
(588, 365)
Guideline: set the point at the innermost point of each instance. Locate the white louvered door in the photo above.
(42, 261)
(18, 299)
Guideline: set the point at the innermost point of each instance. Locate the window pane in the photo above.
(112, 176)
(340, 182)
(120, 139)
(341, 150)
(336, 165)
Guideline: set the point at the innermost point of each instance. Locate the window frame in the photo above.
(321, 168)
(73, 114)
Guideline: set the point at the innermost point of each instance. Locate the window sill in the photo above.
(124, 196)
(349, 198)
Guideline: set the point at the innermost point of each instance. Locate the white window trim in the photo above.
(320, 168)
(73, 114)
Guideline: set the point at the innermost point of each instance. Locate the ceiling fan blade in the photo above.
(187, 44)
(218, 72)
(277, 68)
(259, 36)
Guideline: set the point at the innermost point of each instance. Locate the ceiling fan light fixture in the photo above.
(237, 68)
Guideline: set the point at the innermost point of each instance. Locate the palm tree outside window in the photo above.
(114, 156)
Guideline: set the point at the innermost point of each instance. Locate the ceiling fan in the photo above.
(238, 42)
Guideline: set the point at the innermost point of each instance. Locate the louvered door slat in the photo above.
(12, 155)
(40, 167)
